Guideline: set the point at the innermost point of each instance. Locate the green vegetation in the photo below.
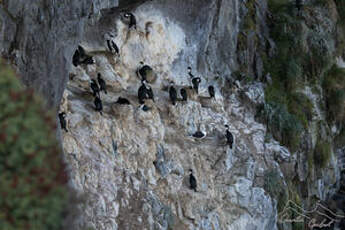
(303, 58)
(334, 90)
(297, 63)
(278, 5)
(250, 19)
(283, 126)
(322, 153)
(32, 176)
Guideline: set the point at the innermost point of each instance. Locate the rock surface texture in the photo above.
(133, 166)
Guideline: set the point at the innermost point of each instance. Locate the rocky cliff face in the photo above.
(133, 165)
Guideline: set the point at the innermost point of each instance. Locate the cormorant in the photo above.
(123, 101)
(145, 92)
(211, 91)
(183, 93)
(192, 181)
(80, 57)
(143, 71)
(172, 94)
(229, 137)
(112, 46)
(98, 104)
(196, 81)
(132, 20)
(94, 87)
(76, 58)
(63, 121)
(101, 83)
(199, 134)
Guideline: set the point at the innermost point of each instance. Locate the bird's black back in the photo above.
(81, 51)
(195, 82)
(101, 82)
(142, 93)
(123, 101)
(94, 86)
(98, 104)
(211, 91)
(183, 94)
(132, 21)
(76, 58)
(198, 134)
(229, 137)
(192, 182)
(115, 47)
(172, 92)
(62, 119)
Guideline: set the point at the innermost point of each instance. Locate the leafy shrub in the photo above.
(322, 153)
(32, 177)
(284, 126)
(301, 106)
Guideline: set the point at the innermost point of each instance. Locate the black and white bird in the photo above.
(123, 101)
(183, 93)
(132, 21)
(76, 58)
(143, 71)
(101, 82)
(192, 181)
(80, 57)
(211, 91)
(142, 93)
(98, 104)
(172, 93)
(196, 81)
(112, 47)
(145, 92)
(199, 134)
(95, 88)
(62, 119)
(229, 137)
